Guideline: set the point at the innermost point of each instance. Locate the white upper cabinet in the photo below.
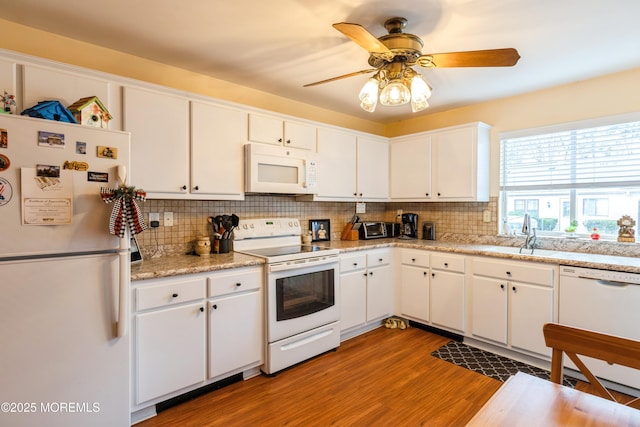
(43, 84)
(373, 169)
(449, 164)
(336, 165)
(159, 126)
(276, 131)
(410, 160)
(352, 167)
(218, 134)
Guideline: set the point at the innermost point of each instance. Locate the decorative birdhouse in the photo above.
(91, 112)
(50, 110)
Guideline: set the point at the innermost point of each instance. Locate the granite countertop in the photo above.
(188, 264)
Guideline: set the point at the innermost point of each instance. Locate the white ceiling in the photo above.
(277, 46)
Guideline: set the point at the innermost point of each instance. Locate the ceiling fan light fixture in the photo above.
(395, 93)
(369, 95)
(420, 93)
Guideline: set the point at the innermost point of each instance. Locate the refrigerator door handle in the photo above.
(123, 289)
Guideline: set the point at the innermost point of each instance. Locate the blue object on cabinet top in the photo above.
(50, 110)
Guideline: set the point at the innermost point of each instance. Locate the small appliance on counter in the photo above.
(409, 226)
(393, 229)
(372, 230)
(429, 230)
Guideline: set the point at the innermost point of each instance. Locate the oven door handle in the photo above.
(302, 263)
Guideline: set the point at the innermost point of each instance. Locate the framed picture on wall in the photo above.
(320, 230)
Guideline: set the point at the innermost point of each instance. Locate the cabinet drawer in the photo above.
(417, 258)
(352, 262)
(234, 281)
(447, 262)
(173, 291)
(515, 271)
(378, 258)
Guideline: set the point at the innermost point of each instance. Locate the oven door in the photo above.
(302, 296)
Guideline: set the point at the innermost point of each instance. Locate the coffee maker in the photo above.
(409, 226)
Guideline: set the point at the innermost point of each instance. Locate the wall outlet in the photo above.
(154, 216)
(361, 207)
(486, 216)
(168, 219)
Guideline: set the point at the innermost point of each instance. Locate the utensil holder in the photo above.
(224, 245)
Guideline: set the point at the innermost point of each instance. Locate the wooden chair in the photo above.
(575, 341)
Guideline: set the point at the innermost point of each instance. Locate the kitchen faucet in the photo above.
(530, 241)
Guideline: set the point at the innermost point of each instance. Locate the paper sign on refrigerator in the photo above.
(46, 200)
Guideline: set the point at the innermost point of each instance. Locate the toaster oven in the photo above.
(373, 230)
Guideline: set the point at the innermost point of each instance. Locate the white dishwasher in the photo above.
(602, 301)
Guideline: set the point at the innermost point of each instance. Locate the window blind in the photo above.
(602, 156)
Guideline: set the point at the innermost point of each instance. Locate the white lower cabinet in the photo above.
(169, 338)
(366, 288)
(432, 289)
(192, 330)
(448, 291)
(235, 322)
(511, 301)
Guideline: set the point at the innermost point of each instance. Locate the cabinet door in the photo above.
(299, 135)
(454, 163)
(372, 169)
(170, 350)
(159, 126)
(414, 292)
(336, 165)
(447, 299)
(410, 169)
(235, 332)
(353, 299)
(379, 292)
(489, 309)
(530, 308)
(265, 129)
(218, 135)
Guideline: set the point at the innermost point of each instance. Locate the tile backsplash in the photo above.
(190, 217)
(460, 222)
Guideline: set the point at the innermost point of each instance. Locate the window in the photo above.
(588, 172)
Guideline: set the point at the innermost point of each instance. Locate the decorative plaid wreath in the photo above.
(126, 212)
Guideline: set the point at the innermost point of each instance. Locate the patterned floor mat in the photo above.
(489, 364)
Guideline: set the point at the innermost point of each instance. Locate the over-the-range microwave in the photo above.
(281, 170)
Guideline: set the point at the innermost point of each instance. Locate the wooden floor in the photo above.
(386, 377)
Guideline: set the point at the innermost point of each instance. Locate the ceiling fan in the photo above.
(392, 57)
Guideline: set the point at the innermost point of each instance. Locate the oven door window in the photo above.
(301, 295)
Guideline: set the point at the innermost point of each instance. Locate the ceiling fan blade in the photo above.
(357, 73)
(362, 37)
(474, 58)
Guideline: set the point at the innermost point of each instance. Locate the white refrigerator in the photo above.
(64, 279)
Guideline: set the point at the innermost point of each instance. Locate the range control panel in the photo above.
(267, 227)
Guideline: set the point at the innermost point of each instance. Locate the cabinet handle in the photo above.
(371, 273)
(424, 274)
(501, 285)
(238, 284)
(279, 139)
(196, 188)
(184, 187)
(446, 264)
(360, 194)
(380, 259)
(413, 260)
(508, 273)
(201, 309)
(174, 296)
(355, 194)
(426, 194)
(365, 274)
(288, 141)
(214, 306)
(355, 264)
(514, 289)
(438, 194)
